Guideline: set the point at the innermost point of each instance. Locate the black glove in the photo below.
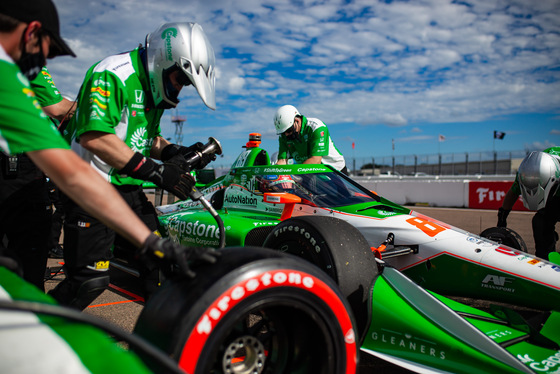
(168, 253)
(172, 175)
(192, 152)
(502, 217)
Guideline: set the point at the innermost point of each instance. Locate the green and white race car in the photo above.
(390, 263)
(376, 280)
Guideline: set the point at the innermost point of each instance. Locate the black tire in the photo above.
(505, 236)
(337, 248)
(288, 316)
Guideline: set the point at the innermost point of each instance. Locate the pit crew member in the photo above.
(116, 129)
(537, 181)
(305, 140)
(29, 33)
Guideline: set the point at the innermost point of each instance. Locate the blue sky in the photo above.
(373, 71)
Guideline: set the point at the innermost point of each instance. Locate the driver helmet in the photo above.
(284, 118)
(180, 46)
(538, 177)
(276, 183)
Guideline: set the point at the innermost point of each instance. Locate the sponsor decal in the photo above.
(195, 228)
(556, 268)
(101, 82)
(550, 364)
(120, 66)
(99, 266)
(84, 224)
(533, 261)
(310, 169)
(98, 104)
(499, 334)
(166, 35)
(386, 213)
(301, 231)
(102, 265)
(409, 343)
(350, 337)
(479, 241)
(138, 141)
(265, 223)
(139, 96)
(274, 199)
(496, 282)
(133, 113)
(100, 91)
(243, 200)
(243, 290)
(509, 252)
(277, 171)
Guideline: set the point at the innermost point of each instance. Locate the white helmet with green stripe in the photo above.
(180, 46)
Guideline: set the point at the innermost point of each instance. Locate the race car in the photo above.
(392, 265)
(261, 204)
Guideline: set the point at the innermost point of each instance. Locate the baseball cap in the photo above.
(43, 11)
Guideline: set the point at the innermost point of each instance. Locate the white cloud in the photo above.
(362, 62)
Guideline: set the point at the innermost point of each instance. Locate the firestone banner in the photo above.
(490, 195)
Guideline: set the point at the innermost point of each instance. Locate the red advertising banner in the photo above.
(490, 195)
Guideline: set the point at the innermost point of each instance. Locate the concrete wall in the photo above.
(483, 192)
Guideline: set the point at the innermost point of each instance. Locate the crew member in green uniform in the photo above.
(305, 140)
(117, 130)
(29, 33)
(59, 109)
(537, 181)
(24, 195)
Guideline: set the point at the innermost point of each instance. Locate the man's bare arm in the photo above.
(62, 110)
(87, 188)
(108, 147)
(313, 160)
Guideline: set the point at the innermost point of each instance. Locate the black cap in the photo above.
(43, 11)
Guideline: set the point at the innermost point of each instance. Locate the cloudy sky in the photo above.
(372, 70)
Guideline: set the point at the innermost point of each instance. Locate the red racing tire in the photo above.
(254, 311)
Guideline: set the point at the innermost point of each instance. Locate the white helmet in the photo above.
(284, 118)
(538, 177)
(184, 46)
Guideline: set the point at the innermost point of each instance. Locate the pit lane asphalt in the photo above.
(121, 304)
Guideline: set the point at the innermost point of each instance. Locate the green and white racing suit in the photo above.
(113, 99)
(314, 140)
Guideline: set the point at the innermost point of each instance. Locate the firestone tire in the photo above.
(505, 236)
(337, 248)
(254, 311)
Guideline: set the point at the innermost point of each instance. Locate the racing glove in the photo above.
(172, 150)
(172, 175)
(167, 252)
(502, 217)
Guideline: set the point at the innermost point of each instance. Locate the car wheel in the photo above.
(336, 247)
(505, 236)
(254, 311)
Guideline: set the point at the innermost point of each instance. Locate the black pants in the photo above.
(25, 218)
(88, 243)
(544, 223)
(58, 215)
